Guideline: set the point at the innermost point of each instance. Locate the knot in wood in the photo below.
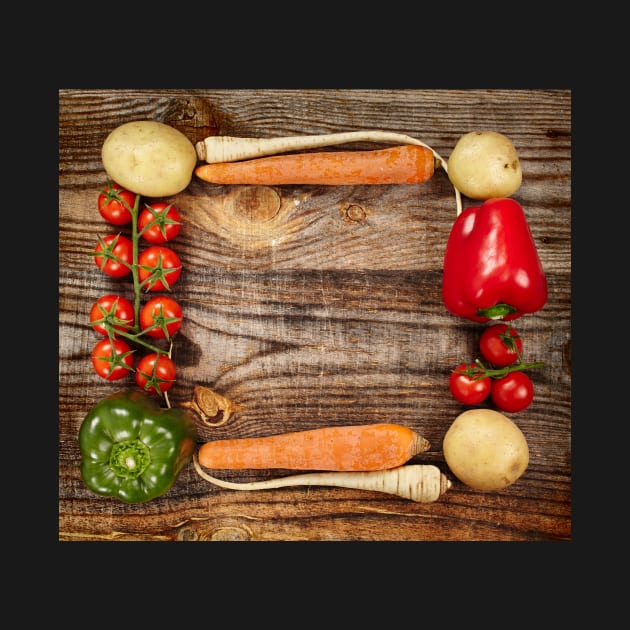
(256, 203)
(229, 533)
(355, 213)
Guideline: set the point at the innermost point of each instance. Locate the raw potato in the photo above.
(149, 158)
(485, 164)
(485, 450)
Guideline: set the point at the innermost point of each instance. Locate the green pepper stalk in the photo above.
(133, 449)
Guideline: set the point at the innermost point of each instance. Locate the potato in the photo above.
(485, 450)
(485, 164)
(149, 158)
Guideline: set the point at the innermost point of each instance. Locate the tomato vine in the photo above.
(480, 370)
(159, 320)
(499, 376)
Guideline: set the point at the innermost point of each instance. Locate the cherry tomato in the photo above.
(159, 222)
(501, 345)
(111, 204)
(465, 388)
(113, 309)
(164, 313)
(159, 267)
(149, 375)
(513, 392)
(112, 362)
(120, 247)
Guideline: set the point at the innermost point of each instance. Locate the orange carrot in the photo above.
(407, 164)
(351, 448)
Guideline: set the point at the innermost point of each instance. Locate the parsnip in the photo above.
(230, 148)
(423, 483)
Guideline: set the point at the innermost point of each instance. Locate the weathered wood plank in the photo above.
(321, 305)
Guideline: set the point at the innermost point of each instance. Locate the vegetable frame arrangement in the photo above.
(134, 449)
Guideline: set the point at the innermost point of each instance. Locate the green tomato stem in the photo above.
(134, 269)
(479, 370)
(496, 373)
(137, 338)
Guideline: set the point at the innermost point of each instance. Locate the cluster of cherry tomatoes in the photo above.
(158, 267)
(501, 378)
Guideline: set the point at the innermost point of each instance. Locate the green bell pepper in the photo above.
(133, 449)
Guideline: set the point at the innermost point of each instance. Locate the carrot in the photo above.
(358, 447)
(423, 483)
(408, 164)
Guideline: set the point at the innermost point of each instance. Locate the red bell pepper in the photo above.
(491, 266)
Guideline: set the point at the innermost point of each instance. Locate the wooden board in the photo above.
(312, 306)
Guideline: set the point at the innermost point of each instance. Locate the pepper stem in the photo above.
(129, 459)
(498, 311)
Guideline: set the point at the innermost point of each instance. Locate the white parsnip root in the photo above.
(423, 483)
(216, 149)
(230, 149)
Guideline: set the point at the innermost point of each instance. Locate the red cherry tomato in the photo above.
(161, 317)
(112, 362)
(159, 222)
(513, 392)
(159, 267)
(113, 309)
(501, 345)
(111, 204)
(155, 370)
(121, 248)
(465, 388)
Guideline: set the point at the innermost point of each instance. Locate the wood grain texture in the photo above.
(313, 306)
